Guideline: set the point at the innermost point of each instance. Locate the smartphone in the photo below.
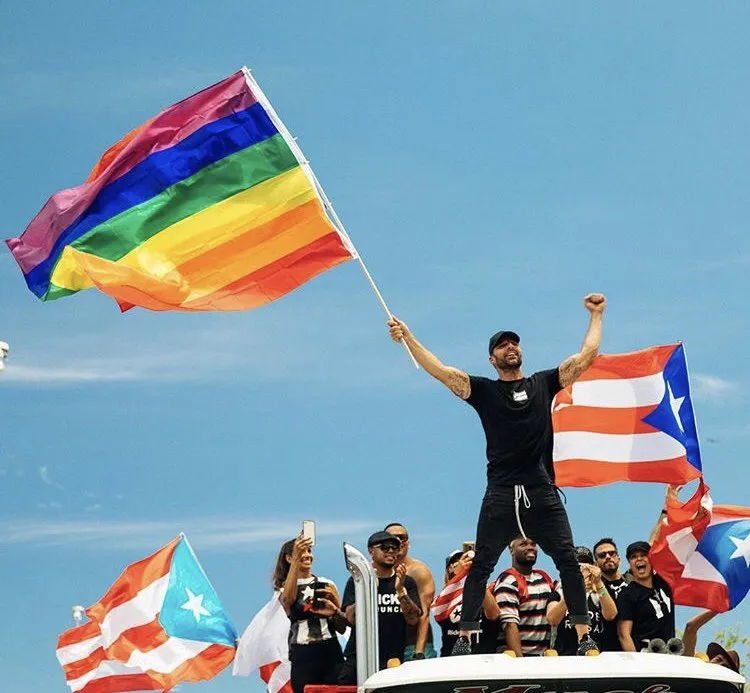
(468, 546)
(308, 530)
(317, 589)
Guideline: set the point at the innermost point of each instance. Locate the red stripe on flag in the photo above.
(201, 668)
(78, 634)
(266, 671)
(731, 512)
(637, 364)
(703, 594)
(602, 420)
(76, 669)
(581, 473)
(205, 666)
(123, 682)
(133, 579)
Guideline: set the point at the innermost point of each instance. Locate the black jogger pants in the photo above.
(544, 520)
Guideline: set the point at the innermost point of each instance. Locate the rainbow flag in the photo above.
(210, 205)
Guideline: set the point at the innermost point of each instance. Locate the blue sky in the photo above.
(493, 162)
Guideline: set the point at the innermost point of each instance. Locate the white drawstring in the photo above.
(520, 492)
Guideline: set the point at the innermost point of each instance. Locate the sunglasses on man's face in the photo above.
(606, 554)
(387, 548)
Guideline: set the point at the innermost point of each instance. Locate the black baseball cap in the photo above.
(584, 555)
(382, 538)
(453, 556)
(637, 546)
(500, 336)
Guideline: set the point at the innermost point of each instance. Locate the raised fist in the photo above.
(595, 303)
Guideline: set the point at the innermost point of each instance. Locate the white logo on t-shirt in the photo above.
(520, 396)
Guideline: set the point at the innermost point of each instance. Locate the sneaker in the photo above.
(587, 645)
(462, 646)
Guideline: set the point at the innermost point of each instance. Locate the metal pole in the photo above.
(366, 622)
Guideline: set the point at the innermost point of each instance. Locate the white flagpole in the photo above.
(78, 613)
(340, 228)
(328, 207)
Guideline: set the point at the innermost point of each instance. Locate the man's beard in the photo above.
(505, 366)
(526, 562)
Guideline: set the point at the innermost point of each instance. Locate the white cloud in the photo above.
(205, 533)
(710, 387)
(67, 374)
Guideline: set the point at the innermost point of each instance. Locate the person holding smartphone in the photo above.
(314, 609)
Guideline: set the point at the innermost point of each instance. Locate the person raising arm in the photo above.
(453, 378)
(515, 412)
(574, 366)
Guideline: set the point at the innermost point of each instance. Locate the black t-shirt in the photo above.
(566, 638)
(609, 641)
(450, 627)
(391, 623)
(517, 421)
(650, 609)
(306, 627)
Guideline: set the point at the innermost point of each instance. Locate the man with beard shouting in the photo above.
(515, 412)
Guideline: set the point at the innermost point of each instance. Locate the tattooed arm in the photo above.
(573, 367)
(454, 379)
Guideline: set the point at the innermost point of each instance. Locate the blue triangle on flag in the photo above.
(192, 610)
(674, 415)
(719, 545)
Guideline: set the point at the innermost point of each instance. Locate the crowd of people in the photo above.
(524, 610)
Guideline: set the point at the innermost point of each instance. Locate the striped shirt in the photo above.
(307, 627)
(529, 613)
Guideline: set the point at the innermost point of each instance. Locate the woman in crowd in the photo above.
(446, 609)
(314, 609)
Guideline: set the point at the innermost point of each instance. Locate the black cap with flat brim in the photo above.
(382, 538)
(640, 546)
(503, 335)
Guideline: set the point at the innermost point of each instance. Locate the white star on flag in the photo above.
(675, 403)
(307, 593)
(195, 604)
(742, 550)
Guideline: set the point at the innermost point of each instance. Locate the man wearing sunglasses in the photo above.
(608, 560)
(398, 605)
(418, 640)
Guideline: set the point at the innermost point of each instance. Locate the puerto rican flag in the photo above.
(703, 552)
(161, 623)
(450, 597)
(264, 646)
(629, 417)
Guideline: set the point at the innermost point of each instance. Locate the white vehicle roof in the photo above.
(498, 667)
